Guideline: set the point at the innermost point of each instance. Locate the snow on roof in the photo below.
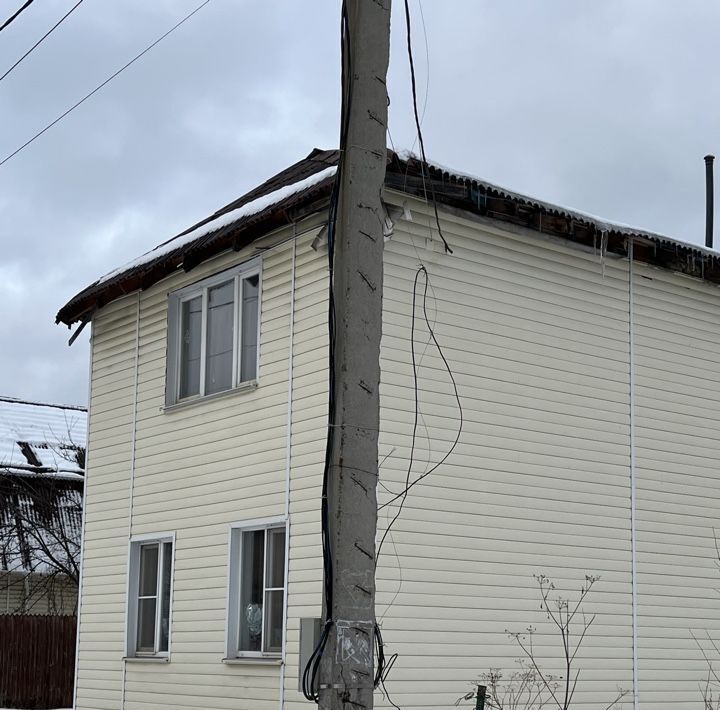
(222, 220)
(601, 222)
(41, 438)
(304, 185)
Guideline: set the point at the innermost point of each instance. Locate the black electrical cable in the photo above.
(418, 126)
(312, 668)
(403, 494)
(13, 17)
(45, 36)
(104, 83)
(384, 666)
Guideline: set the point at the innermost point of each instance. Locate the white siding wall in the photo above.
(537, 335)
(537, 338)
(198, 468)
(677, 341)
(102, 611)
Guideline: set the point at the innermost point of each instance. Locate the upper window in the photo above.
(151, 565)
(213, 334)
(257, 590)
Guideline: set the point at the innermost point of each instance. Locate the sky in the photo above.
(607, 107)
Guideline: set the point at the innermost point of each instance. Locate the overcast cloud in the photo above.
(607, 107)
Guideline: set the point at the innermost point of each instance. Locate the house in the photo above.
(585, 357)
(42, 460)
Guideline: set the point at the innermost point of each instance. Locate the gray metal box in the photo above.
(310, 630)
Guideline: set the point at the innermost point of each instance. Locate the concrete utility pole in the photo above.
(346, 672)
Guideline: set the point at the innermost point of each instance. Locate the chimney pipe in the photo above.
(709, 198)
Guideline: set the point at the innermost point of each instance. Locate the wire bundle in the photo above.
(383, 664)
(310, 673)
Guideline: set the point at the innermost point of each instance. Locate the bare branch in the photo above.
(531, 688)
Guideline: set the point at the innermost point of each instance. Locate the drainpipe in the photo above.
(288, 461)
(633, 500)
(131, 494)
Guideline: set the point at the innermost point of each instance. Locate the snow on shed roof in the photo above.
(36, 437)
(304, 188)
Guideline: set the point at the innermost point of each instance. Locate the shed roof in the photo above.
(39, 438)
(304, 188)
(42, 461)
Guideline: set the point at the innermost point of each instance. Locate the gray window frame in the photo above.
(131, 631)
(232, 630)
(237, 274)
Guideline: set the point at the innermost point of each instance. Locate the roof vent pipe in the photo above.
(709, 198)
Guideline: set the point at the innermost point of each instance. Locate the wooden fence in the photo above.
(37, 661)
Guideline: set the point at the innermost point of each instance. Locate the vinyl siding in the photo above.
(537, 334)
(102, 610)
(677, 341)
(197, 469)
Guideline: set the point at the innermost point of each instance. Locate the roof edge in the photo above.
(32, 403)
(407, 173)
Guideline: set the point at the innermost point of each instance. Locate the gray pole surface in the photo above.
(346, 671)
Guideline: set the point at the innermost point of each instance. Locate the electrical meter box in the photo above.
(310, 630)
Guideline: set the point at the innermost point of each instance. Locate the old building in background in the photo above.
(42, 470)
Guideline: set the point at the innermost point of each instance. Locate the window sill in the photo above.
(253, 660)
(147, 659)
(244, 387)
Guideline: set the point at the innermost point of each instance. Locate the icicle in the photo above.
(603, 249)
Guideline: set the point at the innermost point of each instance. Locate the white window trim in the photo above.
(234, 567)
(132, 601)
(200, 288)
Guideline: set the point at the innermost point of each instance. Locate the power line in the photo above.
(42, 39)
(16, 15)
(100, 86)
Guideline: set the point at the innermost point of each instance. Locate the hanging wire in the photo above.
(424, 164)
(408, 485)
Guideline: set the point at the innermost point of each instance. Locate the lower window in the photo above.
(257, 590)
(151, 573)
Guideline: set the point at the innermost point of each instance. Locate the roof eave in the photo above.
(235, 236)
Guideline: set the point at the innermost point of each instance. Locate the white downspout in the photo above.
(288, 444)
(82, 527)
(633, 498)
(132, 491)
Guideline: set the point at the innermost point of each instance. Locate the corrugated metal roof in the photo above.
(404, 173)
(40, 525)
(42, 438)
(42, 460)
